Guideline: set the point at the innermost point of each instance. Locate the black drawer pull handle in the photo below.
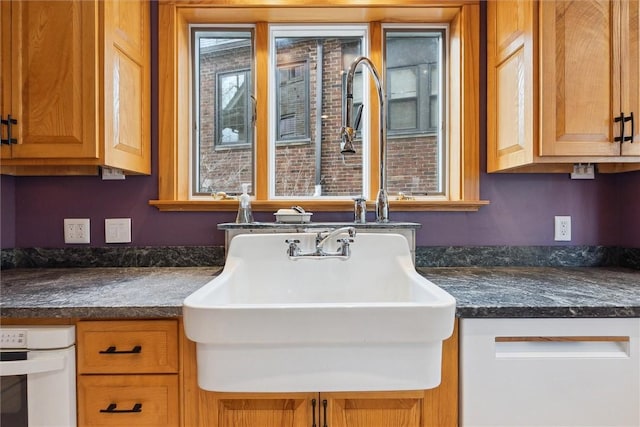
(112, 350)
(620, 119)
(8, 122)
(313, 412)
(324, 412)
(111, 409)
(633, 130)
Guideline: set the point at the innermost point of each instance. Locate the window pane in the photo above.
(402, 114)
(309, 72)
(293, 102)
(223, 131)
(233, 123)
(415, 149)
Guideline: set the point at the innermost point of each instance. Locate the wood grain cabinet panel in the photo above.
(117, 347)
(128, 400)
(246, 409)
(398, 409)
(5, 72)
(132, 364)
(630, 66)
(559, 74)
(510, 84)
(79, 79)
(579, 78)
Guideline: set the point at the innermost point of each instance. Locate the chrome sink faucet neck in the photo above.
(348, 133)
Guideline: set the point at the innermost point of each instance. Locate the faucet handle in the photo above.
(345, 249)
(293, 249)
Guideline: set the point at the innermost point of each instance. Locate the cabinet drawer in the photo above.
(147, 400)
(127, 347)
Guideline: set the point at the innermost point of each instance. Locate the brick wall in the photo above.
(411, 160)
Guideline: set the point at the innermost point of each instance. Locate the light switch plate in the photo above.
(117, 230)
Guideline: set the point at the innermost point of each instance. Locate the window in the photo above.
(223, 134)
(233, 108)
(307, 66)
(293, 101)
(287, 113)
(416, 153)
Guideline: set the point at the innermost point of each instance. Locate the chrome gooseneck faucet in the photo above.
(348, 133)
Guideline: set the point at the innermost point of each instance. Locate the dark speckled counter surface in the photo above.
(131, 292)
(540, 291)
(158, 292)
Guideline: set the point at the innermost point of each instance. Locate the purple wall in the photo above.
(629, 208)
(521, 212)
(605, 211)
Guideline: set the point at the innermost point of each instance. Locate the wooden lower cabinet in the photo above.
(358, 409)
(419, 408)
(252, 409)
(128, 373)
(128, 400)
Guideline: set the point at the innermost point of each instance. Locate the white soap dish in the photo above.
(292, 217)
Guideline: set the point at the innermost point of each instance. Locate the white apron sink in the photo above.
(268, 323)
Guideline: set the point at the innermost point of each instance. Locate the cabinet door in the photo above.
(53, 78)
(630, 62)
(398, 409)
(5, 71)
(127, 85)
(128, 400)
(124, 347)
(250, 409)
(510, 78)
(580, 78)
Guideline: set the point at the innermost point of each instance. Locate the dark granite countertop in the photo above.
(153, 292)
(540, 291)
(112, 292)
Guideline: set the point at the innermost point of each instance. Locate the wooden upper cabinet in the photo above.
(580, 78)
(5, 72)
(54, 77)
(630, 65)
(126, 85)
(79, 80)
(559, 74)
(510, 84)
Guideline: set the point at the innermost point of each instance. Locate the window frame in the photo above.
(463, 112)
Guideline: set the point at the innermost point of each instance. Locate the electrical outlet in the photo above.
(77, 230)
(117, 230)
(109, 174)
(562, 229)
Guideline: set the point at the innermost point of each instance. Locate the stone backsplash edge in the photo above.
(426, 256)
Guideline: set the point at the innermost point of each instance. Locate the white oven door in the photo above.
(39, 391)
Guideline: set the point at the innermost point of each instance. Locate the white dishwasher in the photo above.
(550, 372)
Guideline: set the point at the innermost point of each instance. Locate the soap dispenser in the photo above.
(244, 207)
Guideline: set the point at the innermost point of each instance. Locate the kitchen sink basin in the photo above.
(275, 323)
